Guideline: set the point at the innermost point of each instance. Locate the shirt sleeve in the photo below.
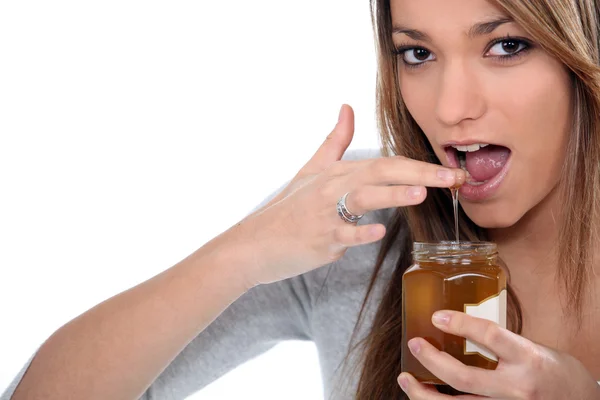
(13, 385)
(261, 318)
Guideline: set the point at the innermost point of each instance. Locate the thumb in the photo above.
(335, 145)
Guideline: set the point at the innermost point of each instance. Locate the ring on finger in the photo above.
(345, 214)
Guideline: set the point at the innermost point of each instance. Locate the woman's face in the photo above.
(469, 75)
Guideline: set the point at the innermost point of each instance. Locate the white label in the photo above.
(493, 309)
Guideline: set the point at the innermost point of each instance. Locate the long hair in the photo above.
(568, 30)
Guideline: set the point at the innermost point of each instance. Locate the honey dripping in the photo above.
(454, 191)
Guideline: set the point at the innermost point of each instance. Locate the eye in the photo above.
(507, 48)
(416, 56)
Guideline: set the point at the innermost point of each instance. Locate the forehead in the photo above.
(443, 14)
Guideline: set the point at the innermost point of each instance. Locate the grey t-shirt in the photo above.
(321, 306)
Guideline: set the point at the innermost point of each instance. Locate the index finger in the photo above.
(399, 170)
(500, 341)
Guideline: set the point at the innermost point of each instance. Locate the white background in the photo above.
(132, 132)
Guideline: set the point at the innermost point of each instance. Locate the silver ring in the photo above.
(344, 213)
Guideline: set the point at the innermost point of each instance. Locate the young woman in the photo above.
(515, 86)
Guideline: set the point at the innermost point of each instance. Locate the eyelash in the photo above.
(399, 50)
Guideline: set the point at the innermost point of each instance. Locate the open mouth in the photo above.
(482, 162)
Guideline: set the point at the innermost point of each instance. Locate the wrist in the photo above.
(233, 256)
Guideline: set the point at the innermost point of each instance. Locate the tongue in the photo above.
(486, 162)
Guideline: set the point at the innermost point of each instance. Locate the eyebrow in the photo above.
(479, 29)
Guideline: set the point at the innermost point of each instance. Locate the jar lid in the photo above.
(454, 252)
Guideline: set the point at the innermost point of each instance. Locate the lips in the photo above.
(473, 189)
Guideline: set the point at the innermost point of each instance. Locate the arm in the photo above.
(260, 318)
(140, 330)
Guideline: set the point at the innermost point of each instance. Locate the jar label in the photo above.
(494, 309)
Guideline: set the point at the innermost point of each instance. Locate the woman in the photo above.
(515, 86)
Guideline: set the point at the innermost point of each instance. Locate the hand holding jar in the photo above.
(454, 333)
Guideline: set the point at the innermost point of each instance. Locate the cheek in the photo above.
(420, 103)
(537, 114)
(537, 109)
(416, 89)
(418, 96)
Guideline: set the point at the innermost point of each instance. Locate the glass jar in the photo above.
(460, 276)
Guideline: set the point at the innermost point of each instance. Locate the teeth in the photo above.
(470, 147)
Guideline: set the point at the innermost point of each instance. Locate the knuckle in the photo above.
(536, 360)
(381, 169)
(370, 164)
(333, 257)
(335, 169)
(358, 235)
(400, 195)
(422, 174)
(347, 235)
(542, 363)
(396, 195)
(460, 326)
(491, 335)
(327, 190)
(362, 233)
(527, 390)
(464, 383)
(339, 236)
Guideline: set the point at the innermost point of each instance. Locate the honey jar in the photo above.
(460, 276)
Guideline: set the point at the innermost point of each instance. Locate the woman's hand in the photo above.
(300, 230)
(525, 370)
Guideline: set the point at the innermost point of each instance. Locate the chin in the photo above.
(491, 217)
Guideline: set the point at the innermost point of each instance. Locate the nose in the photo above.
(459, 95)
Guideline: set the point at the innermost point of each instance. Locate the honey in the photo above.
(457, 276)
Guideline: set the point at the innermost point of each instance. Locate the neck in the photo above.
(530, 244)
(529, 249)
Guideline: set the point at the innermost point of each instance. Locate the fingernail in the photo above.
(440, 318)
(341, 113)
(446, 175)
(403, 381)
(414, 192)
(413, 345)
